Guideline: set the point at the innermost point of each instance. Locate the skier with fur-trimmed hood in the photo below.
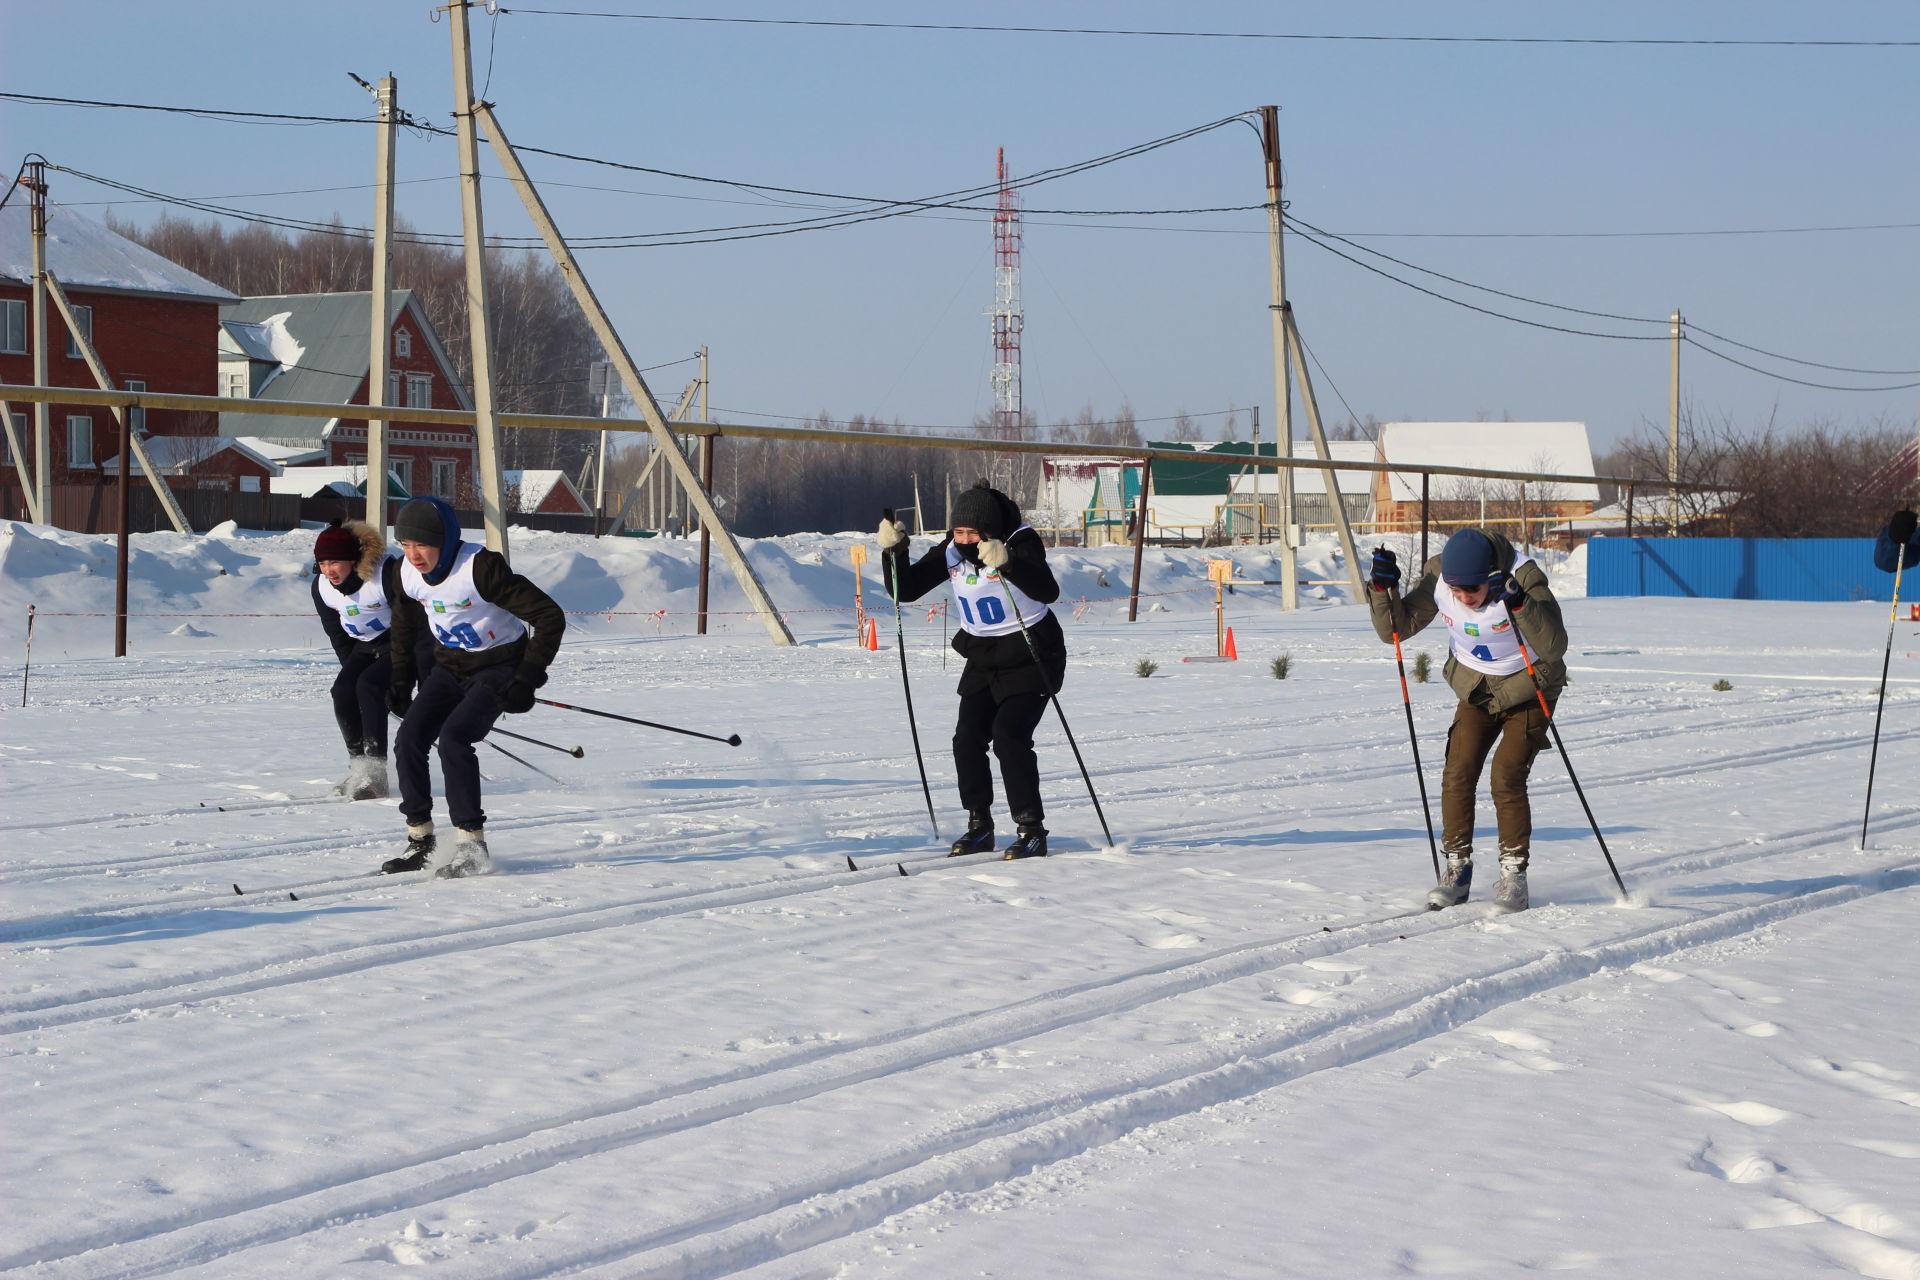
(353, 594)
(988, 558)
(1493, 600)
(494, 635)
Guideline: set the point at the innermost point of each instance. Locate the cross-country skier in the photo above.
(1899, 542)
(989, 556)
(1484, 591)
(352, 594)
(486, 661)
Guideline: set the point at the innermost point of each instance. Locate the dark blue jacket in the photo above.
(1884, 552)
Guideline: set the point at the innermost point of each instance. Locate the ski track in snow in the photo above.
(984, 1149)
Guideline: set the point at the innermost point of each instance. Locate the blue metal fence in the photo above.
(1737, 568)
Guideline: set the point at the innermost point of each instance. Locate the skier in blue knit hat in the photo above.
(1493, 600)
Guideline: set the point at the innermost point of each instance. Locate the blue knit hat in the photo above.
(1468, 560)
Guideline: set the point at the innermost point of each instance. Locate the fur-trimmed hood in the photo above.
(373, 549)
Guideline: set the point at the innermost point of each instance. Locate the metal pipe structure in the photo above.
(1140, 538)
(382, 338)
(564, 422)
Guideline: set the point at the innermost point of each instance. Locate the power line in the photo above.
(1814, 364)
(892, 428)
(1600, 315)
(1224, 35)
(1824, 386)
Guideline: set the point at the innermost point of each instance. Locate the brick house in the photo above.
(155, 326)
(1558, 448)
(549, 493)
(314, 348)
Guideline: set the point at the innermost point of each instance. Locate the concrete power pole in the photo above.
(42, 504)
(486, 433)
(381, 349)
(1673, 435)
(1282, 351)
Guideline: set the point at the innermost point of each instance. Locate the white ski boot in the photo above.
(469, 856)
(366, 778)
(1510, 892)
(1455, 881)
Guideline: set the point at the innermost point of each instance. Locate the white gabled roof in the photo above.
(177, 455)
(285, 453)
(1494, 446)
(537, 486)
(82, 254)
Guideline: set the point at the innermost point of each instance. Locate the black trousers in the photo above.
(360, 701)
(1007, 726)
(458, 714)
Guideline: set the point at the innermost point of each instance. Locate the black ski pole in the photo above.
(575, 752)
(732, 740)
(1899, 563)
(900, 643)
(1406, 700)
(1554, 729)
(28, 668)
(1054, 698)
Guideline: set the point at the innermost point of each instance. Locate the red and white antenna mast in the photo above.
(1008, 319)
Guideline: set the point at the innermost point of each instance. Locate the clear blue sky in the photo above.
(1426, 141)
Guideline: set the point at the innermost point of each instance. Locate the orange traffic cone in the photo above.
(870, 639)
(1231, 651)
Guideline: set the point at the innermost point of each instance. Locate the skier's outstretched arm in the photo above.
(908, 580)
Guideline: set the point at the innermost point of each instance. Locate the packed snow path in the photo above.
(676, 1036)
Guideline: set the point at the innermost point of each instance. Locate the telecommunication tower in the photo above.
(1008, 319)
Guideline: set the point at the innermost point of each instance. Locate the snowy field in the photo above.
(676, 1036)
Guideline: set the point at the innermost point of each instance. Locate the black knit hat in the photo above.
(985, 508)
(421, 521)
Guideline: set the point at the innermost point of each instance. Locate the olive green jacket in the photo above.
(1538, 619)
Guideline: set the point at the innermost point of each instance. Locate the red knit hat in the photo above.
(335, 543)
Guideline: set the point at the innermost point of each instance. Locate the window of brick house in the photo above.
(79, 441)
(83, 320)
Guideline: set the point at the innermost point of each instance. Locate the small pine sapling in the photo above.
(1282, 665)
(1422, 667)
(1721, 686)
(1145, 668)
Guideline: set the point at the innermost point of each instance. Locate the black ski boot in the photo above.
(419, 849)
(1031, 844)
(979, 836)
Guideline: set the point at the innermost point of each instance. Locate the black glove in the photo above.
(517, 697)
(1386, 570)
(400, 697)
(1502, 587)
(1900, 527)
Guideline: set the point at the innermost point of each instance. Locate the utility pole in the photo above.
(381, 350)
(1673, 435)
(486, 433)
(1282, 352)
(1334, 498)
(42, 491)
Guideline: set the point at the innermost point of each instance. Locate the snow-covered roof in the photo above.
(176, 455)
(1494, 446)
(321, 345)
(286, 453)
(535, 487)
(82, 254)
(315, 482)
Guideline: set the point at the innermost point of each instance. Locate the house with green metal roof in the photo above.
(317, 348)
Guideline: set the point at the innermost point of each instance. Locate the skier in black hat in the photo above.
(1493, 600)
(353, 594)
(995, 566)
(479, 612)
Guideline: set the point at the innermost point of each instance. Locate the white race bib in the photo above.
(981, 596)
(459, 617)
(1483, 639)
(364, 615)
